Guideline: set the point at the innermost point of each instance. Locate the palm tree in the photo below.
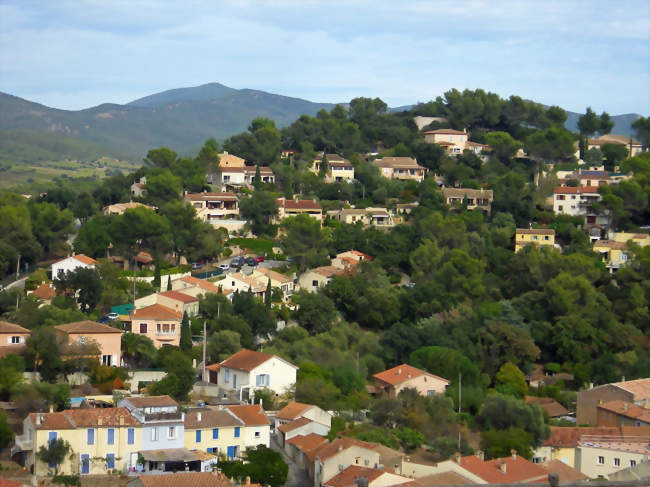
(137, 350)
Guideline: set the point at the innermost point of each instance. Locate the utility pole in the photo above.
(460, 389)
(204, 338)
(18, 267)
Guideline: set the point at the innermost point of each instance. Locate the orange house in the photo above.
(160, 323)
(12, 338)
(107, 338)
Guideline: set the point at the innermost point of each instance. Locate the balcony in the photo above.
(161, 417)
(22, 443)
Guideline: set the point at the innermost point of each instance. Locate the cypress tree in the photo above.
(169, 281)
(186, 334)
(268, 295)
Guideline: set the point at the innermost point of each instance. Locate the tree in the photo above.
(305, 241)
(502, 412)
(163, 186)
(614, 154)
(263, 465)
(6, 434)
(161, 158)
(593, 156)
(448, 363)
(409, 438)
(510, 380)
(180, 376)
(259, 209)
(504, 147)
(500, 443)
(85, 283)
(222, 344)
(551, 144)
(42, 352)
(268, 294)
(138, 350)
(642, 127)
(54, 453)
(50, 225)
(315, 313)
(208, 156)
(185, 343)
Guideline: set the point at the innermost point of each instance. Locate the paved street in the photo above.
(297, 476)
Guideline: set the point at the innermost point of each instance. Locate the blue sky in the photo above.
(76, 54)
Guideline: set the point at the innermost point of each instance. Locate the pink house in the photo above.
(107, 338)
(393, 381)
(160, 323)
(12, 338)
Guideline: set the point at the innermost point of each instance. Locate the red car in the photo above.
(259, 259)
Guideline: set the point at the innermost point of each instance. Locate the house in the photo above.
(257, 427)
(574, 200)
(376, 477)
(393, 381)
(377, 217)
(505, 470)
(215, 431)
(241, 177)
(182, 479)
(252, 370)
(541, 237)
(614, 254)
(288, 208)
(621, 413)
(214, 208)
(107, 339)
(180, 302)
(350, 259)
(564, 472)
(300, 448)
(640, 239)
(120, 208)
(240, 282)
(70, 264)
(300, 427)
(44, 293)
(473, 198)
(452, 140)
(139, 188)
(160, 323)
(332, 458)
(193, 286)
(295, 410)
(562, 443)
(601, 456)
(549, 405)
(101, 440)
(631, 391)
(338, 168)
(12, 338)
(230, 160)
(317, 277)
(634, 147)
(402, 168)
(280, 281)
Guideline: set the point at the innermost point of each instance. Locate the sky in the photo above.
(74, 54)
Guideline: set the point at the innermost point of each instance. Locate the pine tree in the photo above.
(257, 182)
(323, 166)
(186, 334)
(156, 277)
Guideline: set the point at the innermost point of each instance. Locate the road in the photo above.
(297, 475)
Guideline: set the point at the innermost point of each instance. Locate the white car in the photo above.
(112, 316)
(224, 267)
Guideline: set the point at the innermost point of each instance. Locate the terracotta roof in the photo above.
(465, 192)
(250, 414)
(446, 132)
(299, 204)
(327, 271)
(6, 327)
(13, 483)
(610, 244)
(246, 360)
(156, 312)
(87, 326)
(256, 285)
(275, 276)
(441, 479)
(330, 449)
(295, 424)
(186, 479)
(85, 259)
(151, 401)
(575, 189)
(51, 421)
(179, 296)
(517, 469)
(569, 436)
(144, 257)
(293, 410)
(553, 408)
(83, 418)
(213, 367)
(623, 408)
(397, 162)
(565, 472)
(44, 291)
(307, 443)
(639, 387)
(225, 196)
(535, 231)
(203, 284)
(210, 418)
(403, 373)
(347, 477)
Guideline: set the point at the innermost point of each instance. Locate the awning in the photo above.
(170, 455)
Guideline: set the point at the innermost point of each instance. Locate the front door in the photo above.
(231, 452)
(234, 381)
(85, 463)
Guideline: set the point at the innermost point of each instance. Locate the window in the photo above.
(314, 283)
(227, 375)
(107, 359)
(91, 436)
(143, 328)
(560, 208)
(130, 436)
(171, 433)
(601, 460)
(82, 340)
(110, 461)
(236, 431)
(15, 339)
(51, 437)
(198, 436)
(366, 462)
(257, 434)
(154, 434)
(111, 436)
(617, 462)
(632, 463)
(215, 434)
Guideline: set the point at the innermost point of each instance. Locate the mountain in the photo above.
(181, 119)
(622, 123)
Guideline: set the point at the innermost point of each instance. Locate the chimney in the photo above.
(481, 455)
(51, 408)
(39, 419)
(513, 452)
(458, 457)
(340, 447)
(399, 371)
(248, 480)
(502, 466)
(121, 420)
(198, 417)
(625, 406)
(99, 421)
(623, 379)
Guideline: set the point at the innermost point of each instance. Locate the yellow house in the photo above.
(101, 440)
(641, 239)
(542, 237)
(613, 253)
(215, 431)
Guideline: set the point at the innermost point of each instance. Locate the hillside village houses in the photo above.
(12, 338)
(120, 208)
(338, 168)
(454, 141)
(616, 252)
(392, 381)
(214, 207)
(402, 168)
(159, 323)
(294, 207)
(318, 277)
(377, 217)
(299, 419)
(139, 188)
(72, 263)
(541, 237)
(474, 198)
(105, 337)
(633, 146)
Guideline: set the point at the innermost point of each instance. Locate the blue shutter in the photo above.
(110, 460)
(85, 463)
(231, 452)
(258, 380)
(236, 431)
(198, 436)
(111, 436)
(91, 436)
(131, 436)
(215, 434)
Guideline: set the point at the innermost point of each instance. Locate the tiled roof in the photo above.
(565, 472)
(85, 259)
(203, 284)
(298, 204)
(225, 196)
(186, 479)
(553, 408)
(610, 244)
(151, 401)
(156, 312)
(250, 414)
(87, 326)
(13, 483)
(397, 162)
(446, 132)
(517, 469)
(6, 327)
(535, 231)
(348, 476)
(575, 190)
(330, 449)
(465, 192)
(327, 271)
(293, 410)
(275, 276)
(44, 291)
(83, 418)
(639, 387)
(210, 418)
(403, 373)
(246, 360)
(179, 296)
(144, 257)
(441, 479)
(295, 424)
(213, 367)
(623, 408)
(307, 443)
(569, 436)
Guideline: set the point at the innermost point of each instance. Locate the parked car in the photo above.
(112, 316)
(251, 261)
(237, 262)
(259, 259)
(224, 266)
(196, 265)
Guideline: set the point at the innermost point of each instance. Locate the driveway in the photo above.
(297, 475)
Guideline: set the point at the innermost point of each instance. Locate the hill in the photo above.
(622, 123)
(181, 119)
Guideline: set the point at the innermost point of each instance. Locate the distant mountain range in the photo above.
(181, 119)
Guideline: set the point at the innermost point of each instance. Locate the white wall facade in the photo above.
(68, 265)
(281, 376)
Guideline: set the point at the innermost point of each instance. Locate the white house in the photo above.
(256, 370)
(312, 279)
(72, 263)
(299, 419)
